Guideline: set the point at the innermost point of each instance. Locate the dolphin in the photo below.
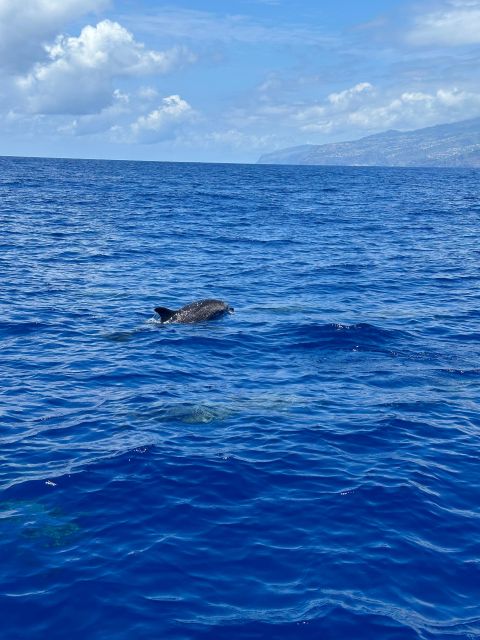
(195, 312)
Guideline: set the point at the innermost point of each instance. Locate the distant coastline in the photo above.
(448, 145)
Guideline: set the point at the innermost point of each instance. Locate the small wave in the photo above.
(467, 373)
(324, 616)
(345, 337)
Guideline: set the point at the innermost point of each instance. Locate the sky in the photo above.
(228, 80)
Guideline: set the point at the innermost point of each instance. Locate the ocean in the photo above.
(305, 468)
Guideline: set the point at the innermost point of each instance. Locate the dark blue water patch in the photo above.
(21, 328)
(304, 468)
(466, 337)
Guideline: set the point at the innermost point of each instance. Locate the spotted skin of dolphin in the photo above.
(194, 312)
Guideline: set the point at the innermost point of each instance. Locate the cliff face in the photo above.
(446, 145)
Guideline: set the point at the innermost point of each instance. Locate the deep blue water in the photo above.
(306, 468)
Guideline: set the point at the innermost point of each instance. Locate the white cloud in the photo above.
(345, 98)
(415, 109)
(162, 123)
(457, 23)
(27, 25)
(379, 111)
(109, 46)
(235, 139)
(78, 77)
(318, 117)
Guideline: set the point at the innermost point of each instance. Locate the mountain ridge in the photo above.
(454, 144)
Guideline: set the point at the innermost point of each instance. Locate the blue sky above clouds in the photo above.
(210, 80)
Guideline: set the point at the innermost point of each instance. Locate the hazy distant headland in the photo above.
(446, 145)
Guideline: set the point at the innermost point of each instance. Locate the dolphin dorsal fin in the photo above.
(164, 313)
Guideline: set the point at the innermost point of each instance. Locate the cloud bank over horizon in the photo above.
(98, 79)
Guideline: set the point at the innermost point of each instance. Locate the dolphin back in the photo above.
(195, 311)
